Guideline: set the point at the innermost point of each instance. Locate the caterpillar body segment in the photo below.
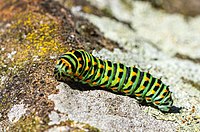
(87, 69)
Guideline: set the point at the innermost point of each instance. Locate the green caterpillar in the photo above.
(87, 69)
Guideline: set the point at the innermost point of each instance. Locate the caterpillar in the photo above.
(83, 67)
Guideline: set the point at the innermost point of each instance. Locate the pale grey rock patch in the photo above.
(114, 6)
(56, 118)
(106, 111)
(170, 32)
(59, 129)
(2, 80)
(16, 112)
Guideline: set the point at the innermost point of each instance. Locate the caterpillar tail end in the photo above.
(166, 106)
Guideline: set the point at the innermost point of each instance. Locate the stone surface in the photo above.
(16, 112)
(186, 7)
(166, 45)
(170, 33)
(106, 111)
(153, 46)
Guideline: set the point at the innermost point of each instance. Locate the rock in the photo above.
(130, 32)
(188, 8)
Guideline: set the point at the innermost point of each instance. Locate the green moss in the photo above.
(30, 123)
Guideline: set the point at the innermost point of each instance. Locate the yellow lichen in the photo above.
(41, 36)
(29, 38)
(30, 123)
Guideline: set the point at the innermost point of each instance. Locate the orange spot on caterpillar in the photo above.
(148, 98)
(94, 83)
(87, 81)
(87, 68)
(103, 86)
(67, 65)
(109, 68)
(114, 88)
(133, 73)
(107, 78)
(99, 74)
(130, 83)
(126, 91)
(161, 96)
(80, 77)
(157, 102)
(118, 79)
(153, 92)
(92, 72)
(79, 59)
(76, 74)
(146, 79)
(65, 61)
(166, 90)
(157, 84)
(70, 73)
(121, 70)
(101, 66)
(138, 95)
(142, 87)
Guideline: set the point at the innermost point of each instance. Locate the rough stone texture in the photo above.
(186, 7)
(56, 118)
(153, 46)
(106, 111)
(59, 129)
(166, 45)
(163, 30)
(16, 112)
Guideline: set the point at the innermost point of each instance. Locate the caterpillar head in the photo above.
(62, 69)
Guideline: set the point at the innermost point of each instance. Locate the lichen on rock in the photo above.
(34, 33)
